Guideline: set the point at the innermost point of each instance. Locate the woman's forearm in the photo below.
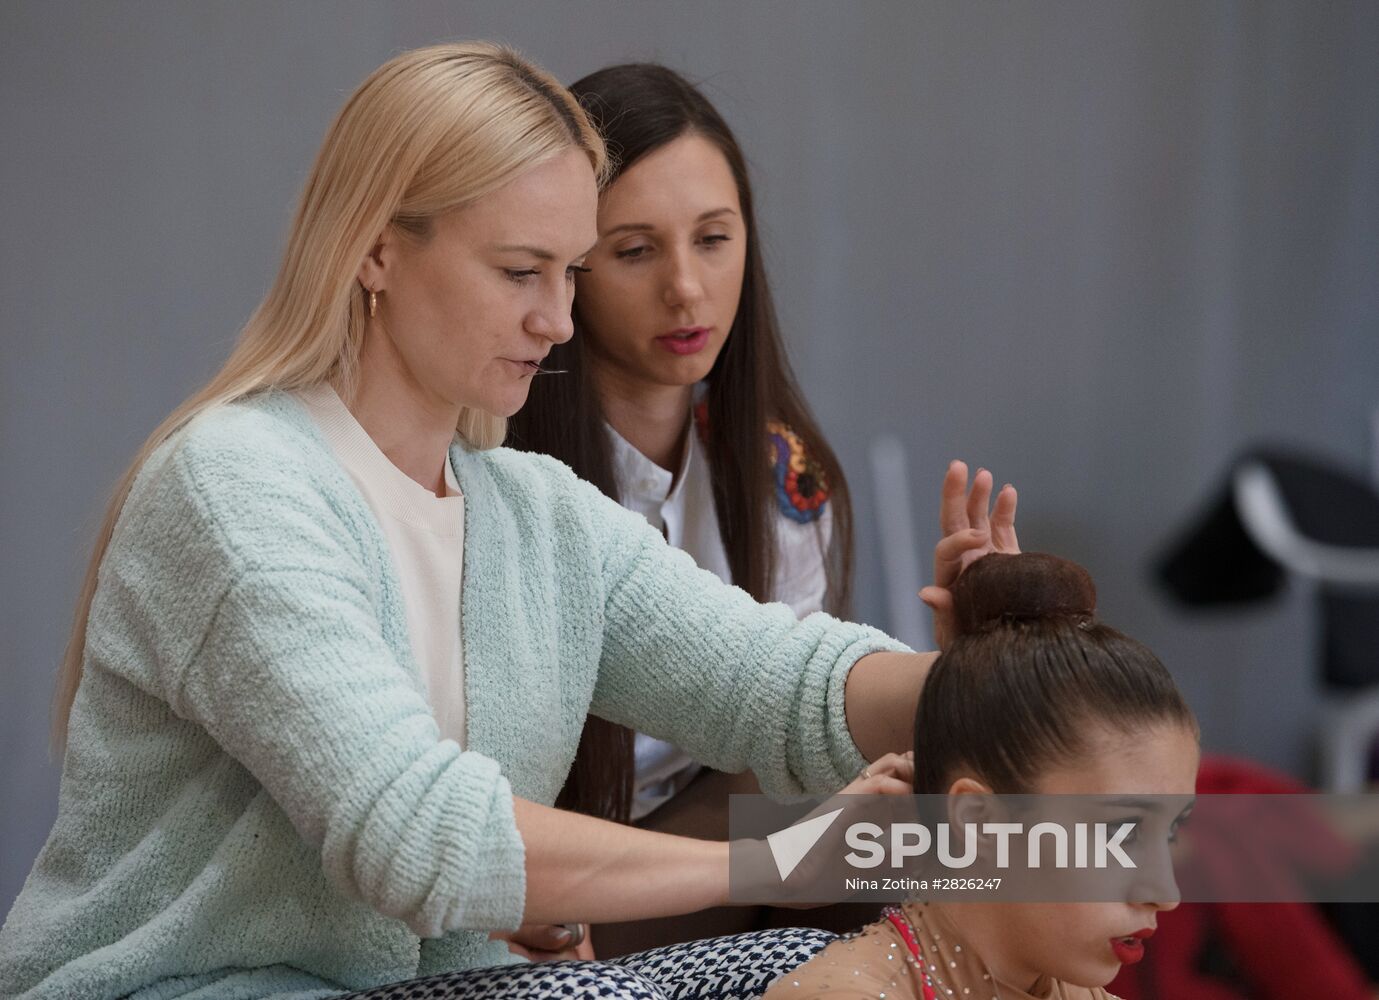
(591, 870)
(595, 871)
(880, 697)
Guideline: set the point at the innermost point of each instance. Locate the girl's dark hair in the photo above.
(640, 108)
(1030, 669)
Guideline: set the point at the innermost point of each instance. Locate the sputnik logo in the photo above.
(789, 846)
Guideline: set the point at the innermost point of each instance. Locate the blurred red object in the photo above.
(1244, 951)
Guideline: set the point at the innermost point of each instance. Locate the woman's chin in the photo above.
(507, 404)
(686, 371)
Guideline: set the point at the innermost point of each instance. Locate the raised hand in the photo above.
(970, 531)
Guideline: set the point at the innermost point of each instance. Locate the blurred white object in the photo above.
(1265, 515)
(1349, 720)
(907, 617)
(1349, 725)
(1374, 446)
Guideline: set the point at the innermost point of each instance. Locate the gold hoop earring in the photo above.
(373, 303)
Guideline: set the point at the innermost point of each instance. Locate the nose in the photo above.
(552, 318)
(1155, 884)
(683, 285)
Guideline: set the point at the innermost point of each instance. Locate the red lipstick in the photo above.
(1130, 949)
(686, 340)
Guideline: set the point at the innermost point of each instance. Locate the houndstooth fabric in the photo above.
(739, 967)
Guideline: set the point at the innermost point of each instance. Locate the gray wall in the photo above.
(1096, 247)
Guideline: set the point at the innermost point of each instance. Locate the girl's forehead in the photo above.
(1159, 759)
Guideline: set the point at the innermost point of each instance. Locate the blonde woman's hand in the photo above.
(890, 774)
(893, 774)
(546, 942)
(970, 530)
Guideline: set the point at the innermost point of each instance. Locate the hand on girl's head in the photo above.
(969, 531)
(893, 774)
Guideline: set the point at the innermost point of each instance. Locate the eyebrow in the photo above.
(644, 227)
(1147, 805)
(540, 253)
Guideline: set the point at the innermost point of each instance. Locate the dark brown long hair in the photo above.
(640, 108)
(1031, 664)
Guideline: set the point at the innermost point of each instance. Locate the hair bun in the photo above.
(1023, 587)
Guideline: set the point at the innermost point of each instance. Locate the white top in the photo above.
(681, 507)
(425, 534)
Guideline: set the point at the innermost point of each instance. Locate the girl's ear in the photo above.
(969, 801)
(968, 786)
(971, 806)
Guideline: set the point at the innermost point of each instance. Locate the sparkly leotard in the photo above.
(910, 955)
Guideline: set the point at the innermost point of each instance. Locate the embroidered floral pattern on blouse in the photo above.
(801, 485)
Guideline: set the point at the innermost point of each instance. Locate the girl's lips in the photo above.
(1129, 950)
(689, 341)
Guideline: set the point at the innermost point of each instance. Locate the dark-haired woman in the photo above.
(1083, 710)
(678, 401)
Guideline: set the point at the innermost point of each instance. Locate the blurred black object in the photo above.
(1280, 513)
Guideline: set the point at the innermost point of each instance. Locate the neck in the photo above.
(411, 426)
(979, 926)
(651, 418)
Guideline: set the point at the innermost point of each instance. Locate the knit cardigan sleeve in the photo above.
(251, 607)
(737, 684)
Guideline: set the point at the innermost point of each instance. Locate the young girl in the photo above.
(1080, 709)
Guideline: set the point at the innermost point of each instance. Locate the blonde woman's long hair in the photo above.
(428, 132)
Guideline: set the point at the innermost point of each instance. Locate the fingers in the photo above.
(1003, 520)
(949, 552)
(979, 501)
(952, 515)
(585, 949)
(899, 764)
(951, 548)
(889, 786)
(892, 774)
(939, 599)
(542, 937)
(960, 510)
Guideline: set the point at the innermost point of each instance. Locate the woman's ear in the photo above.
(373, 270)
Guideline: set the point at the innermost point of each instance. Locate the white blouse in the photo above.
(425, 535)
(681, 506)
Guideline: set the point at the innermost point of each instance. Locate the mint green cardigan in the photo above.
(255, 800)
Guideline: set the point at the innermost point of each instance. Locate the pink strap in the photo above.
(902, 924)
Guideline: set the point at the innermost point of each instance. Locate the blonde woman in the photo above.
(335, 649)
